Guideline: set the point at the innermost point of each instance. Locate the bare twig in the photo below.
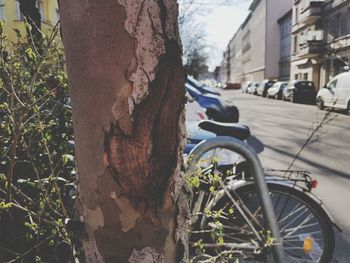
(16, 138)
(52, 37)
(325, 120)
(18, 258)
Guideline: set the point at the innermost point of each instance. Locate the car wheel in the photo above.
(348, 109)
(276, 96)
(292, 99)
(320, 103)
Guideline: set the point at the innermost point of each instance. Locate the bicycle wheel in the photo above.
(306, 230)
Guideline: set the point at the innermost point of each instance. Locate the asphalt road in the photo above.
(283, 127)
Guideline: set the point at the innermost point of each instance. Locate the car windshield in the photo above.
(305, 85)
(269, 84)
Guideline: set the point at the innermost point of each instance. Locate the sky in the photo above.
(220, 25)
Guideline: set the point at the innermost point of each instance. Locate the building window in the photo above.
(344, 25)
(246, 42)
(306, 75)
(339, 27)
(296, 76)
(41, 7)
(39, 4)
(57, 18)
(285, 39)
(1, 10)
(19, 15)
(295, 46)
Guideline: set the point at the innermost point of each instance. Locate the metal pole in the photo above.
(248, 153)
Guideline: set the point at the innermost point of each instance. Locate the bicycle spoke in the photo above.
(295, 210)
(305, 210)
(307, 219)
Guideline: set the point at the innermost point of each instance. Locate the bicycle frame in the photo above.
(258, 177)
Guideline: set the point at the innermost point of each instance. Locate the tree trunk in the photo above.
(127, 89)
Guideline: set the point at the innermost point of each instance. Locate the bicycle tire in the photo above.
(292, 195)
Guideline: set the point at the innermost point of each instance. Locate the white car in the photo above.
(276, 90)
(252, 88)
(245, 87)
(336, 93)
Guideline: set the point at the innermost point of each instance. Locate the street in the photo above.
(283, 127)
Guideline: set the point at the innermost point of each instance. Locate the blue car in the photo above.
(216, 108)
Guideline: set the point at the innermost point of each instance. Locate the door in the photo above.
(330, 99)
(343, 91)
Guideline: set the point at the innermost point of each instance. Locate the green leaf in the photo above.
(5, 206)
(29, 52)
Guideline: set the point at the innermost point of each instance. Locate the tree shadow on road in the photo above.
(256, 144)
(323, 167)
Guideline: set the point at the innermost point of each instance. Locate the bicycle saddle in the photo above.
(238, 131)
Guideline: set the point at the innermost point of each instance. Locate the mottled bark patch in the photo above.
(147, 255)
(117, 238)
(150, 23)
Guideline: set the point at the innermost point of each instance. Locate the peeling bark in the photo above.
(147, 255)
(127, 89)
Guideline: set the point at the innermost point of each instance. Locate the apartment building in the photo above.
(254, 52)
(336, 24)
(320, 39)
(13, 19)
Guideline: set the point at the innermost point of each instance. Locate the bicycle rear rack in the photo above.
(258, 175)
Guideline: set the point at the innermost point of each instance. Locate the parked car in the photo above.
(216, 107)
(252, 88)
(202, 88)
(336, 93)
(263, 87)
(276, 90)
(300, 91)
(232, 86)
(245, 86)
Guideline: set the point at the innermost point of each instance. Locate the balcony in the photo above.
(315, 36)
(310, 50)
(308, 15)
(311, 13)
(340, 43)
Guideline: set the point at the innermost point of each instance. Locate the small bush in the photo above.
(36, 163)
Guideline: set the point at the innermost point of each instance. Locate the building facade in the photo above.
(13, 19)
(336, 24)
(253, 54)
(320, 39)
(307, 40)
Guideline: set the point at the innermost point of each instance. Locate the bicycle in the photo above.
(228, 218)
